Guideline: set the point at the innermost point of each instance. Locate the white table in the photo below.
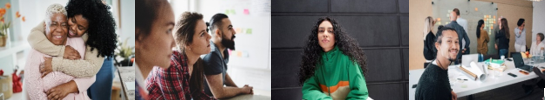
(127, 78)
(471, 86)
(249, 97)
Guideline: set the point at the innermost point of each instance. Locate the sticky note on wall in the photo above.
(230, 11)
(246, 12)
(239, 54)
(238, 30)
(249, 31)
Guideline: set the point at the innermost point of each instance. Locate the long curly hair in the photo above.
(101, 29)
(312, 51)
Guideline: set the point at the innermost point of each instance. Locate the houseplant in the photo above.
(4, 33)
(3, 27)
(125, 52)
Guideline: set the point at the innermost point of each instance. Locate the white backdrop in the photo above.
(539, 19)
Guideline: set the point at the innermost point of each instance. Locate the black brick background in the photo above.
(380, 27)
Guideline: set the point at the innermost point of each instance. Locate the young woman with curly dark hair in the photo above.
(91, 21)
(333, 66)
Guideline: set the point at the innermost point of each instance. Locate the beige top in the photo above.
(87, 67)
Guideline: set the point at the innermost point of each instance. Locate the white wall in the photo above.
(127, 21)
(179, 7)
(34, 11)
(539, 19)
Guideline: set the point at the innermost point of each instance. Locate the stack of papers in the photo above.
(496, 64)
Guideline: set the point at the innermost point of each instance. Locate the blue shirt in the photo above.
(215, 64)
(520, 38)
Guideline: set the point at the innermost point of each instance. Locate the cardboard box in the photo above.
(6, 86)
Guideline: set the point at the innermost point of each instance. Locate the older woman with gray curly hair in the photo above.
(57, 84)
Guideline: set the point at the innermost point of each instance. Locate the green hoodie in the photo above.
(335, 73)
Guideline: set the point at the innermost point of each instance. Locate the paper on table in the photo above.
(130, 85)
(473, 71)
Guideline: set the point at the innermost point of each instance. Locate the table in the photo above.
(126, 74)
(249, 97)
(471, 86)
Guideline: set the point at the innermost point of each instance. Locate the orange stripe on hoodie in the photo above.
(334, 88)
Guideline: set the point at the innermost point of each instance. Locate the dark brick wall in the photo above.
(380, 27)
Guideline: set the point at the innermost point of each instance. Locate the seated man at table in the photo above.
(218, 82)
(434, 83)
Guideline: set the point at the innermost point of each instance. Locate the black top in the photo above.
(429, 47)
(433, 84)
(502, 40)
(215, 64)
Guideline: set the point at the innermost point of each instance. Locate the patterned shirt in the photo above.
(173, 83)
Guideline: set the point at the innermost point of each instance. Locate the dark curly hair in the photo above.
(101, 29)
(311, 55)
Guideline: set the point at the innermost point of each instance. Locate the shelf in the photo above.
(13, 48)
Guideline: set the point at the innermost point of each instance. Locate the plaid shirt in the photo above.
(173, 83)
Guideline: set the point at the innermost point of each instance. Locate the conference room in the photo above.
(498, 52)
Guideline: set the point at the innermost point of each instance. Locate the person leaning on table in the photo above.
(434, 83)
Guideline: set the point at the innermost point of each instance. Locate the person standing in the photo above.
(429, 41)
(483, 39)
(461, 34)
(520, 36)
(462, 22)
(502, 38)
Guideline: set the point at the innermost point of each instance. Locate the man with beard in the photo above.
(215, 69)
(434, 83)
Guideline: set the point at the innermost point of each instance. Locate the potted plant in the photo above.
(4, 33)
(3, 27)
(125, 52)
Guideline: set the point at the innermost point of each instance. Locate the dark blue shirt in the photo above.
(461, 35)
(215, 64)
